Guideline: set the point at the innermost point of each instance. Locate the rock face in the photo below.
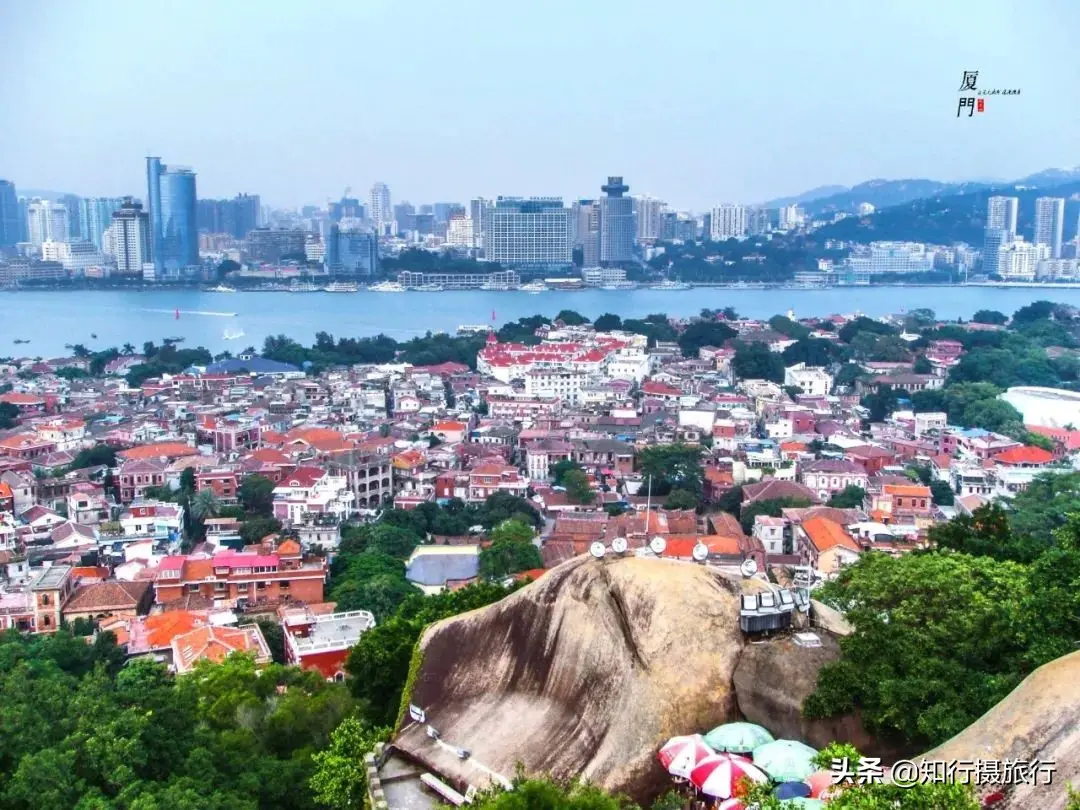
(1040, 719)
(586, 672)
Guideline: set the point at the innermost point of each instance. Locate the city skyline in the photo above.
(670, 122)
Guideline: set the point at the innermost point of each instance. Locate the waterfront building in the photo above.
(351, 252)
(1049, 223)
(648, 218)
(173, 216)
(236, 217)
(95, 215)
(585, 223)
(381, 213)
(616, 223)
(479, 210)
(1017, 260)
(890, 257)
(459, 231)
(272, 245)
(600, 276)
(48, 221)
(11, 231)
(727, 221)
(1057, 270)
(993, 240)
(529, 232)
(130, 240)
(404, 217)
(75, 257)
(1001, 213)
(72, 203)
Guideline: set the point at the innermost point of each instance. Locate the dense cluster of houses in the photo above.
(100, 542)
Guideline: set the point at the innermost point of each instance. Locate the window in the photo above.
(193, 587)
(284, 585)
(260, 586)
(219, 586)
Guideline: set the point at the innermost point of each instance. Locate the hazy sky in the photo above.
(693, 102)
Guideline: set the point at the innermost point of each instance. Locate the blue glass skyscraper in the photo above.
(171, 195)
(11, 230)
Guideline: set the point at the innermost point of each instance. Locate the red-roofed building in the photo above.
(230, 576)
(898, 503)
(1025, 457)
(212, 643)
(825, 544)
(134, 477)
(321, 642)
(488, 478)
(26, 403)
(1065, 441)
(161, 450)
(224, 483)
(452, 432)
(26, 446)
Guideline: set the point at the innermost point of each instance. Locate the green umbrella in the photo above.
(785, 760)
(737, 738)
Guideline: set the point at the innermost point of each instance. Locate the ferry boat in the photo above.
(232, 334)
(619, 285)
(342, 287)
(221, 288)
(668, 284)
(430, 288)
(304, 287)
(490, 286)
(534, 287)
(387, 286)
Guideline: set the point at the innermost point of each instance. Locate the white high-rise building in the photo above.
(47, 221)
(649, 218)
(75, 256)
(533, 231)
(459, 232)
(1001, 213)
(1018, 260)
(380, 212)
(130, 238)
(1049, 223)
(728, 222)
(790, 217)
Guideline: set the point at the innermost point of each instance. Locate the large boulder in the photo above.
(1039, 720)
(584, 673)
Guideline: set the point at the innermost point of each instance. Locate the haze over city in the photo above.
(696, 104)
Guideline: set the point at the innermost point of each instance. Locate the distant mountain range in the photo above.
(885, 193)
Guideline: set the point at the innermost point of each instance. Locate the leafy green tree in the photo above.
(863, 324)
(205, 505)
(942, 493)
(991, 316)
(255, 529)
(772, 507)
(922, 365)
(850, 497)
(256, 495)
(814, 352)
(546, 794)
(672, 466)
(935, 645)
(511, 550)
(608, 323)
(785, 326)
(9, 415)
(340, 778)
(94, 456)
(682, 499)
(559, 469)
(755, 361)
(393, 541)
(571, 318)
(1036, 311)
(881, 403)
(704, 333)
(577, 487)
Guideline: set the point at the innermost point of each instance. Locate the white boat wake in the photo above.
(194, 312)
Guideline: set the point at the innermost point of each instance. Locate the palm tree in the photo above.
(127, 349)
(205, 505)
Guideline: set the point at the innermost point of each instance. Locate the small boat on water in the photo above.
(21, 340)
(430, 288)
(668, 285)
(534, 287)
(619, 285)
(223, 288)
(342, 287)
(387, 286)
(305, 287)
(232, 334)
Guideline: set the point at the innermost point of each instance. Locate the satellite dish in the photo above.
(658, 544)
(619, 545)
(748, 567)
(597, 550)
(417, 714)
(700, 552)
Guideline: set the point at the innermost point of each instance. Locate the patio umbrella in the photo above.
(680, 755)
(720, 774)
(739, 738)
(785, 760)
(731, 804)
(820, 782)
(791, 790)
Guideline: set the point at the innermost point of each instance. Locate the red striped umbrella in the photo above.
(731, 804)
(680, 755)
(720, 774)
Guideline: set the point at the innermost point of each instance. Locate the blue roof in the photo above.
(437, 569)
(974, 433)
(259, 365)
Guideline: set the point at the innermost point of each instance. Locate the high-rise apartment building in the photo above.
(444, 210)
(95, 215)
(47, 222)
(351, 252)
(648, 218)
(1001, 213)
(380, 212)
(11, 231)
(727, 221)
(1050, 223)
(272, 245)
(130, 237)
(994, 239)
(789, 217)
(616, 223)
(758, 221)
(528, 232)
(71, 202)
(235, 217)
(479, 210)
(173, 216)
(404, 217)
(1017, 260)
(585, 224)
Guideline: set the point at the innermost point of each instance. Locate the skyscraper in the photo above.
(530, 232)
(758, 221)
(616, 223)
(789, 217)
(71, 203)
(479, 210)
(404, 217)
(381, 212)
(131, 237)
(585, 224)
(444, 210)
(1049, 223)
(95, 215)
(727, 222)
(47, 222)
(1001, 213)
(351, 252)
(173, 216)
(648, 218)
(10, 229)
(994, 239)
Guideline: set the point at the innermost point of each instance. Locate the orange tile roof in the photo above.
(163, 627)
(310, 435)
(907, 490)
(288, 548)
(531, 575)
(826, 534)
(449, 426)
(15, 398)
(213, 644)
(197, 569)
(5, 490)
(159, 450)
(1025, 454)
